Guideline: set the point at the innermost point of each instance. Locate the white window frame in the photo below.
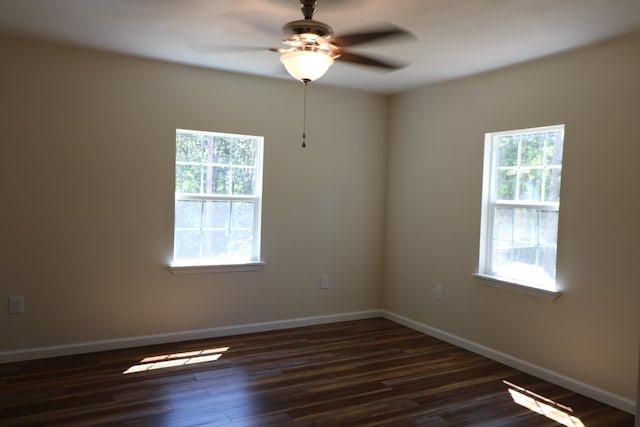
(212, 265)
(484, 275)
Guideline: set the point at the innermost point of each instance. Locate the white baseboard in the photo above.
(102, 345)
(572, 384)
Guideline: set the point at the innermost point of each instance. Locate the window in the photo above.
(520, 206)
(218, 190)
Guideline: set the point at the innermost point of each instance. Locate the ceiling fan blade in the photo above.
(355, 58)
(281, 49)
(213, 49)
(389, 31)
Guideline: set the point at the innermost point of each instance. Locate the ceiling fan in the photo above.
(311, 46)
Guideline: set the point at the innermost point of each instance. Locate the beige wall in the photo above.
(86, 180)
(434, 192)
(86, 176)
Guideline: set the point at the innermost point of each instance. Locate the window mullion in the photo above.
(543, 194)
(229, 226)
(202, 234)
(518, 166)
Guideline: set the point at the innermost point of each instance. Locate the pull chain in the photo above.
(304, 117)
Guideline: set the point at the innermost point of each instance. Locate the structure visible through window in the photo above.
(218, 191)
(521, 202)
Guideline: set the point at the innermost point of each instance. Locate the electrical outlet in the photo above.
(439, 292)
(16, 304)
(324, 281)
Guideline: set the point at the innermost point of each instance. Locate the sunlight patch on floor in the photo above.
(177, 359)
(543, 406)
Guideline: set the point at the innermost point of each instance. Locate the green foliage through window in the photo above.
(528, 166)
(215, 164)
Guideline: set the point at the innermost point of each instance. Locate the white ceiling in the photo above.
(453, 37)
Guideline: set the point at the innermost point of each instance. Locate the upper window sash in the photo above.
(528, 131)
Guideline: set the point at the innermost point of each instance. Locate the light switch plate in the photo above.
(324, 281)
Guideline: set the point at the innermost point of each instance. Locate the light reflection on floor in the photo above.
(177, 359)
(543, 406)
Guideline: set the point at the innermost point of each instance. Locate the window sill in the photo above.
(218, 268)
(549, 294)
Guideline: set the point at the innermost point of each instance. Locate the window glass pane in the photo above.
(242, 215)
(506, 184)
(503, 224)
(501, 257)
(523, 256)
(547, 262)
(241, 243)
(531, 149)
(188, 214)
(244, 180)
(530, 185)
(217, 215)
(243, 152)
(507, 150)
(189, 148)
(552, 185)
(186, 244)
(216, 243)
(221, 152)
(188, 178)
(548, 230)
(554, 148)
(525, 227)
(216, 180)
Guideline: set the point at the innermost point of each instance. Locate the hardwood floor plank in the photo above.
(361, 373)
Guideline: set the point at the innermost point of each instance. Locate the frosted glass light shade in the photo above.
(306, 64)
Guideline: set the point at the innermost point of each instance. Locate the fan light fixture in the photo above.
(306, 65)
(311, 49)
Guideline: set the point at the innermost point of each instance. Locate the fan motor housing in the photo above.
(306, 26)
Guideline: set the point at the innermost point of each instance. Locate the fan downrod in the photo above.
(308, 8)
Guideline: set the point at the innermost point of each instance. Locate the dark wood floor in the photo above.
(361, 373)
